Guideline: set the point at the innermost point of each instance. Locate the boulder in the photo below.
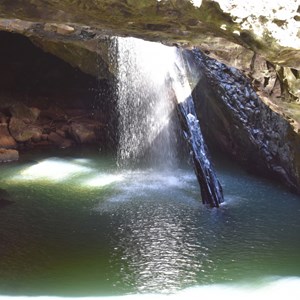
(21, 111)
(6, 140)
(22, 123)
(37, 135)
(83, 133)
(59, 141)
(8, 155)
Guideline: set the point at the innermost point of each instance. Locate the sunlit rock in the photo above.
(83, 133)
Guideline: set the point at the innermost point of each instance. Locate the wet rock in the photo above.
(8, 155)
(21, 111)
(21, 125)
(59, 141)
(37, 136)
(21, 130)
(44, 137)
(83, 133)
(6, 140)
(226, 29)
(260, 139)
(247, 37)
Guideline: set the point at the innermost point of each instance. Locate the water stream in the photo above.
(147, 127)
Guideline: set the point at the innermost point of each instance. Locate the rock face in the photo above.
(236, 120)
(21, 124)
(260, 38)
(266, 27)
(29, 127)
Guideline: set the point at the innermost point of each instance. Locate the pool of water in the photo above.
(80, 227)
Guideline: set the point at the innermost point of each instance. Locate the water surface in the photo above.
(80, 227)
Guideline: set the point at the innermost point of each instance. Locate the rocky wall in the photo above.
(237, 121)
(46, 102)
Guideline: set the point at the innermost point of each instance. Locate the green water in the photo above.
(80, 227)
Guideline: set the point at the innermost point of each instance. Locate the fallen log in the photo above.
(211, 190)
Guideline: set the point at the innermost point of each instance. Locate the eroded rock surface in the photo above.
(231, 31)
(266, 27)
(236, 120)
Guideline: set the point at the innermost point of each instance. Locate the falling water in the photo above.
(151, 83)
(146, 123)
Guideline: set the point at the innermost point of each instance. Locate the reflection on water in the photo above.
(103, 232)
(157, 251)
(156, 238)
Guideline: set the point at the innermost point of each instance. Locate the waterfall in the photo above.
(152, 82)
(146, 127)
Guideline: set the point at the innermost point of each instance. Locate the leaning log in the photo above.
(211, 190)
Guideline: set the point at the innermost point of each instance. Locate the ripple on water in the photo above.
(157, 237)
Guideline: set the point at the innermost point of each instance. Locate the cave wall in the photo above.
(44, 101)
(261, 39)
(234, 119)
(28, 72)
(267, 28)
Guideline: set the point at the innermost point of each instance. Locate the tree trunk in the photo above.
(211, 190)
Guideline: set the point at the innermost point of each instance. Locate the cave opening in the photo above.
(68, 103)
(76, 225)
